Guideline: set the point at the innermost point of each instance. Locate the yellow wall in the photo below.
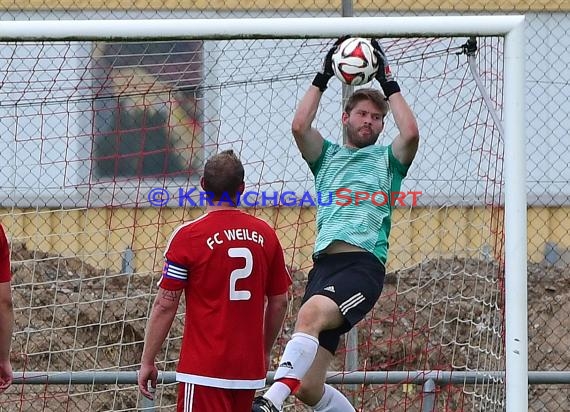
(99, 236)
(330, 5)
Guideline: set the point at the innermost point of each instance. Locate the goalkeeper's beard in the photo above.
(356, 139)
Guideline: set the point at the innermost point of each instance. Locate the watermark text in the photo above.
(160, 197)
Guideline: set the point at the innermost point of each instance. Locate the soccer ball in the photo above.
(354, 62)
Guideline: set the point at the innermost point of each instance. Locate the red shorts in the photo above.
(197, 398)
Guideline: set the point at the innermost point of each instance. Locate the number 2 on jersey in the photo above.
(240, 252)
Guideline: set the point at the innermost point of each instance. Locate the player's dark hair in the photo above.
(374, 95)
(223, 175)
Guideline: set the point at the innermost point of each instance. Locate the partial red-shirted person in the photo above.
(6, 313)
(231, 269)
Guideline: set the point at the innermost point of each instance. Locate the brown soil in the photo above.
(443, 314)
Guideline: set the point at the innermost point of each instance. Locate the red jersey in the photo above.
(5, 274)
(227, 262)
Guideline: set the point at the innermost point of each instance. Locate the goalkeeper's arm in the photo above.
(405, 145)
(308, 139)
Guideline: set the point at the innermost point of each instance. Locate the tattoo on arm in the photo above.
(170, 295)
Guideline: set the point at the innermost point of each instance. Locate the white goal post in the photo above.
(510, 27)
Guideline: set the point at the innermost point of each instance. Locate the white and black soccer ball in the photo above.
(354, 62)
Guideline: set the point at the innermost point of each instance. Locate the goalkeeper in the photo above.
(352, 241)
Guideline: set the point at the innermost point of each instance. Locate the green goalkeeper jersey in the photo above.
(342, 171)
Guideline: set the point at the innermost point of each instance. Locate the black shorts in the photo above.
(353, 280)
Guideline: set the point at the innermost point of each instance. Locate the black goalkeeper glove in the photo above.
(322, 78)
(384, 74)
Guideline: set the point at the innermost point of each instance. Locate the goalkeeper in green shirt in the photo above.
(352, 240)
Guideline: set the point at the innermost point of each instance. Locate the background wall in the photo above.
(100, 236)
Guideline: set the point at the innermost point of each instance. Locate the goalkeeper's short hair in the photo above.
(374, 95)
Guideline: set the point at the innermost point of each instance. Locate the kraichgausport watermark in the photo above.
(193, 197)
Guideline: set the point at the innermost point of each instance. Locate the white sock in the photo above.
(333, 401)
(297, 358)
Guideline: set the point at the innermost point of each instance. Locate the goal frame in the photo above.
(510, 27)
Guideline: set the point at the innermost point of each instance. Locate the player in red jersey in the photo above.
(231, 268)
(6, 313)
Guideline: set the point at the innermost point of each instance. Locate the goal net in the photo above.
(102, 145)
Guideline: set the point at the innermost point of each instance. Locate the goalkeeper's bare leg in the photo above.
(303, 366)
(318, 395)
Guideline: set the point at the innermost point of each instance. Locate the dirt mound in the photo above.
(441, 314)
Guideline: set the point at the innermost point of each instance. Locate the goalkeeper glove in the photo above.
(322, 78)
(384, 74)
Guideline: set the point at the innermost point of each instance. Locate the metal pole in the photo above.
(257, 28)
(146, 405)
(428, 393)
(417, 377)
(516, 313)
